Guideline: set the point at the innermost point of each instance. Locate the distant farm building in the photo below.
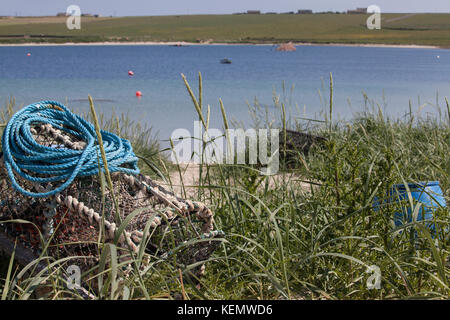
(357, 11)
(304, 11)
(253, 12)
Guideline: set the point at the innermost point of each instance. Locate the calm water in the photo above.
(70, 73)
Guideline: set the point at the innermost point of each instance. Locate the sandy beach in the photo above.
(182, 43)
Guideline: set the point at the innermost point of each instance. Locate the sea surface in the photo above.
(391, 77)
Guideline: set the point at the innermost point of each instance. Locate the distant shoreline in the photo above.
(182, 43)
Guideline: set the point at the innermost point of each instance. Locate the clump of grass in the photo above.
(288, 241)
(21, 283)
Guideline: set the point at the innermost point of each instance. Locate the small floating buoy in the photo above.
(28, 54)
(138, 94)
(130, 73)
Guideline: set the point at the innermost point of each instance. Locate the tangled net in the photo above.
(76, 220)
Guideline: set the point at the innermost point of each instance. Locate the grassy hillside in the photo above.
(420, 29)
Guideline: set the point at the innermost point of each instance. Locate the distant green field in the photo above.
(419, 29)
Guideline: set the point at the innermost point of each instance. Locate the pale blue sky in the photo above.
(164, 7)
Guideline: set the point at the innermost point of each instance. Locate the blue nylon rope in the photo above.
(21, 152)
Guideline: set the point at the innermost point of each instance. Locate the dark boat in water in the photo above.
(225, 61)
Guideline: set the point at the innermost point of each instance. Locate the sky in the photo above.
(168, 7)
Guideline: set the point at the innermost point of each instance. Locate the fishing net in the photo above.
(75, 220)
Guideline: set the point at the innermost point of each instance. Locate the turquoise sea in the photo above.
(390, 76)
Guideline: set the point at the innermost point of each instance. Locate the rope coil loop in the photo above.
(38, 163)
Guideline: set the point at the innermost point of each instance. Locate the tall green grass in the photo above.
(287, 240)
(310, 232)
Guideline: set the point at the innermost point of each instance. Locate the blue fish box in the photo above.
(429, 194)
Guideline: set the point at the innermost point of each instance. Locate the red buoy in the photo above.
(138, 94)
(130, 73)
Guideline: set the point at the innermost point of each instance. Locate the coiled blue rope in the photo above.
(42, 164)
